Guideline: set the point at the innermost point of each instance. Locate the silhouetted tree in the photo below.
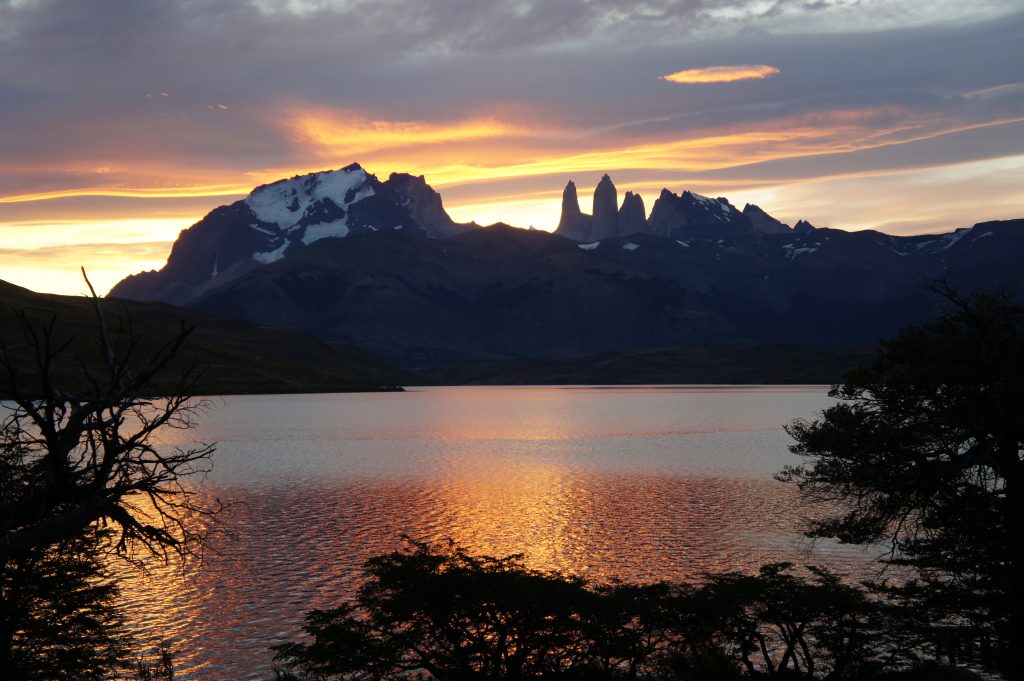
(59, 616)
(79, 451)
(443, 614)
(923, 453)
(776, 622)
(450, 615)
(628, 628)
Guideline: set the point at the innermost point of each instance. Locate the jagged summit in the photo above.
(573, 224)
(764, 223)
(683, 216)
(306, 208)
(606, 210)
(632, 216)
(608, 220)
(280, 218)
(426, 206)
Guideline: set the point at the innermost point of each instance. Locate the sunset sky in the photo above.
(123, 122)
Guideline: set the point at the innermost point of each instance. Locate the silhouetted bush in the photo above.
(440, 613)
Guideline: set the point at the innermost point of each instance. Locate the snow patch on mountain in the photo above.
(800, 251)
(325, 230)
(951, 239)
(588, 247)
(364, 193)
(267, 257)
(306, 208)
(284, 203)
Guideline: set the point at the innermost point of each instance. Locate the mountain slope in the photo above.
(239, 357)
(500, 293)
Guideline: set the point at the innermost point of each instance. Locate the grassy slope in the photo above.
(239, 357)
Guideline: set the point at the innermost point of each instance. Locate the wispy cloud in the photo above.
(350, 132)
(721, 74)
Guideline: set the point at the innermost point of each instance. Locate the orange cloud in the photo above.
(721, 74)
(351, 133)
(132, 192)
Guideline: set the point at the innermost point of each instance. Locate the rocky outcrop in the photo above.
(425, 206)
(605, 222)
(666, 215)
(608, 221)
(573, 223)
(694, 216)
(803, 227)
(632, 216)
(764, 223)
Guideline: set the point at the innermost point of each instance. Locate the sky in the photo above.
(123, 122)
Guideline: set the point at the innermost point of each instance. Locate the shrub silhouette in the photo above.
(438, 612)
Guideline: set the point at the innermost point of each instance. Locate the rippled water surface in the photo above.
(636, 483)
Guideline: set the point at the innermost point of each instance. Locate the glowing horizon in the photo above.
(808, 121)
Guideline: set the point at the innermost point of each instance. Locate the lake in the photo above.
(639, 483)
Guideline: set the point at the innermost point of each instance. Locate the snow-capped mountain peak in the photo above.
(284, 203)
(278, 219)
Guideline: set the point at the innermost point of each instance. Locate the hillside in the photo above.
(239, 357)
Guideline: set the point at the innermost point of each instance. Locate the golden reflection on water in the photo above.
(560, 476)
(291, 549)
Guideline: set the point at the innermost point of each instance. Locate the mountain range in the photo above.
(381, 266)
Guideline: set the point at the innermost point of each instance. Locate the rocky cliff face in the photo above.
(573, 223)
(632, 216)
(764, 223)
(425, 206)
(694, 216)
(683, 216)
(608, 221)
(606, 211)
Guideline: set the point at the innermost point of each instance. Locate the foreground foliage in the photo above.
(438, 612)
(81, 474)
(923, 453)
